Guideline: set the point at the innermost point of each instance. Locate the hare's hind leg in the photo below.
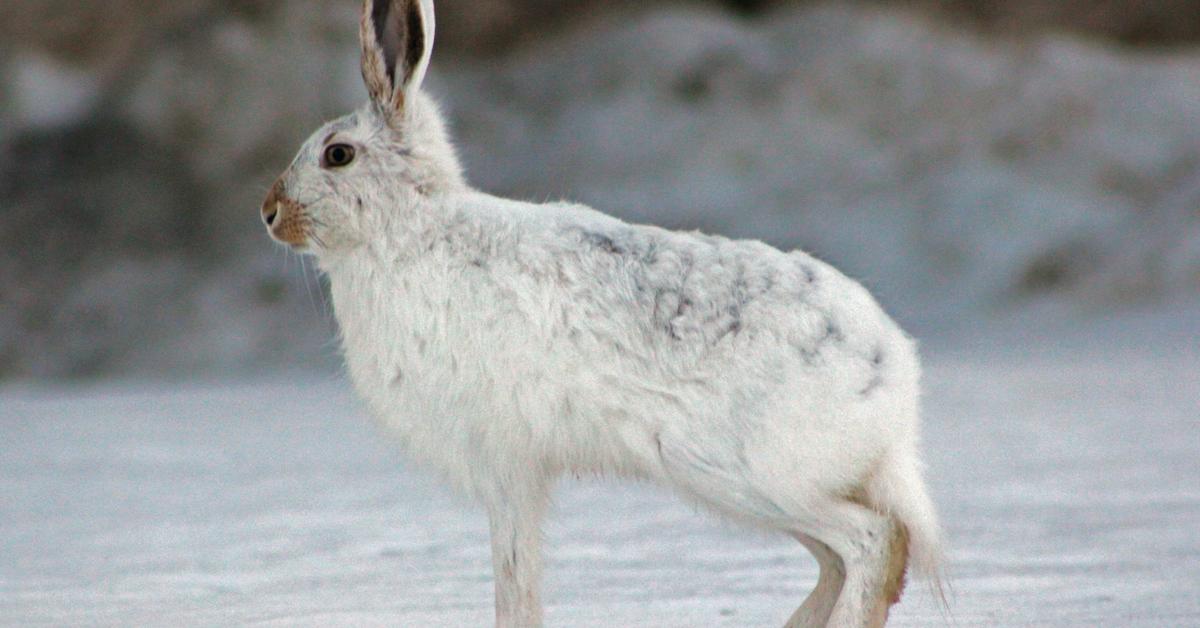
(872, 552)
(817, 607)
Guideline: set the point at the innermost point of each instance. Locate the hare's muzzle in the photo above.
(285, 218)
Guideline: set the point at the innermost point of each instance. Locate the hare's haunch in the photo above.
(507, 343)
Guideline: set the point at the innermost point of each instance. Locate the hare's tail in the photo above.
(897, 489)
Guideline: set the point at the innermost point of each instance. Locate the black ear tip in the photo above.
(416, 39)
(379, 14)
(400, 32)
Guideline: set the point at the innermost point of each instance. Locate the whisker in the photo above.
(323, 312)
(326, 309)
(308, 288)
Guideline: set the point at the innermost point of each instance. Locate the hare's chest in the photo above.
(405, 346)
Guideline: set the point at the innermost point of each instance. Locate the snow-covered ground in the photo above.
(1066, 465)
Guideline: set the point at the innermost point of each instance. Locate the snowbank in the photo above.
(963, 179)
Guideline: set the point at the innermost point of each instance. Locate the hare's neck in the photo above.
(386, 275)
(388, 283)
(387, 306)
(397, 232)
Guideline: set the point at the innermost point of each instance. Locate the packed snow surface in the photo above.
(1067, 471)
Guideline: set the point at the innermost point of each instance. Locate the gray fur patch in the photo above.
(876, 380)
(811, 354)
(602, 242)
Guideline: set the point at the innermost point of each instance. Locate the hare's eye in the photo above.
(338, 156)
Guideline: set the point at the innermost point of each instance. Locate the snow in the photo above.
(1066, 466)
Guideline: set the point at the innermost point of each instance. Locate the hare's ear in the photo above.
(397, 39)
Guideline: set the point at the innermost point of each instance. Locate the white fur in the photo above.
(506, 343)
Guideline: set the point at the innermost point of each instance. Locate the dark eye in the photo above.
(338, 156)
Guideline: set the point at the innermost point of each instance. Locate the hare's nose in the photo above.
(270, 207)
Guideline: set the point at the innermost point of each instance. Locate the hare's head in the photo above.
(361, 172)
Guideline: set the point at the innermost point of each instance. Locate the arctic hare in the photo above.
(507, 343)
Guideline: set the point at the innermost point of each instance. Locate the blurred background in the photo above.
(977, 164)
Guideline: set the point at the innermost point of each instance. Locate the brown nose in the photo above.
(270, 208)
(286, 219)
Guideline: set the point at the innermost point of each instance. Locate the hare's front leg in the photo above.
(516, 517)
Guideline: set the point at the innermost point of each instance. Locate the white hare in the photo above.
(507, 343)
